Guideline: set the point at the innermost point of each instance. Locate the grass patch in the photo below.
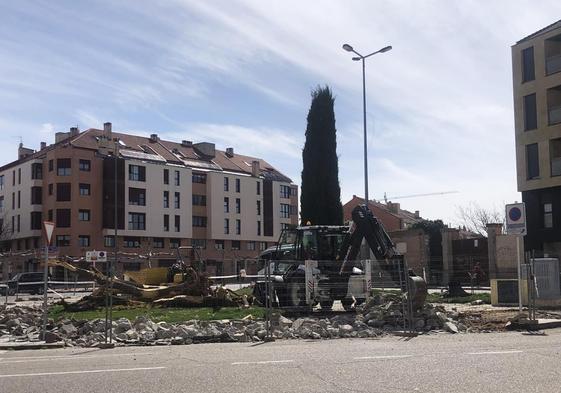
(162, 314)
(437, 298)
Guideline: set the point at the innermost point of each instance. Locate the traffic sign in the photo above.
(516, 219)
(48, 227)
(96, 256)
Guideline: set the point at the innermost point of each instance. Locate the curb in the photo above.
(35, 345)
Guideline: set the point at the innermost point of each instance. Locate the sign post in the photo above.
(516, 225)
(48, 228)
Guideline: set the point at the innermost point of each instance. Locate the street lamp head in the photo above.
(356, 58)
(385, 49)
(347, 47)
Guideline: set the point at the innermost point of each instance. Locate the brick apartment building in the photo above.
(536, 64)
(168, 194)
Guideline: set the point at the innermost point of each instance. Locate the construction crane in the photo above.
(418, 195)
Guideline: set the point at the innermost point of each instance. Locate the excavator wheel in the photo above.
(326, 305)
(296, 293)
(347, 304)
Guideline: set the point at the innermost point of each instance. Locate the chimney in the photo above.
(255, 170)
(230, 152)
(417, 214)
(393, 207)
(74, 131)
(24, 151)
(153, 138)
(60, 136)
(107, 131)
(185, 143)
(43, 145)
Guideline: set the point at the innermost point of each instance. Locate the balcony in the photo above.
(555, 166)
(553, 55)
(553, 64)
(554, 105)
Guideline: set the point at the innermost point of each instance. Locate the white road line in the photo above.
(74, 357)
(383, 357)
(115, 370)
(494, 352)
(263, 362)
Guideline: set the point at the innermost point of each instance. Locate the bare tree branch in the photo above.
(475, 218)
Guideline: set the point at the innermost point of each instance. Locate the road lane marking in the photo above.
(383, 357)
(263, 362)
(115, 370)
(494, 352)
(74, 357)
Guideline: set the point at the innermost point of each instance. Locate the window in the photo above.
(84, 165)
(226, 184)
(166, 176)
(532, 161)
(554, 105)
(176, 200)
(199, 178)
(83, 240)
(284, 226)
(19, 222)
(258, 208)
(238, 205)
(19, 199)
(36, 195)
(83, 215)
(293, 210)
(137, 173)
(284, 210)
(528, 64)
(258, 188)
(13, 178)
(50, 215)
(177, 223)
(63, 240)
(258, 228)
(36, 171)
(51, 166)
(174, 243)
(63, 218)
(137, 221)
(166, 222)
(199, 243)
(131, 242)
(177, 178)
(13, 200)
(284, 191)
(236, 245)
(219, 244)
(226, 205)
(63, 166)
(530, 112)
(226, 226)
(13, 224)
(238, 227)
(63, 192)
(555, 156)
(199, 221)
(2, 182)
(199, 200)
(262, 246)
(84, 189)
(19, 175)
(1, 205)
(250, 246)
(36, 218)
(548, 215)
(158, 242)
(137, 196)
(51, 189)
(109, 241)
(238, 185)
(166, 199)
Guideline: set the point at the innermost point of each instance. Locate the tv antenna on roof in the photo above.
(386, 198)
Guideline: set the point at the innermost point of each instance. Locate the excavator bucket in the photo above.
(417, 291)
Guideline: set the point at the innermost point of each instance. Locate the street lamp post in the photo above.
(349, 48)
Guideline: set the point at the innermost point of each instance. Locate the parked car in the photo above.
(31, 282)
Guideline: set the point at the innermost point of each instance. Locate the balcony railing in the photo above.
(555, 115)
(553, 64)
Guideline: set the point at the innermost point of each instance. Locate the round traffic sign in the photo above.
(515, 214)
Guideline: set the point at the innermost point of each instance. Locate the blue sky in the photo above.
(239, 73)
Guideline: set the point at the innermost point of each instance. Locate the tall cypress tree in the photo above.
(320, 197)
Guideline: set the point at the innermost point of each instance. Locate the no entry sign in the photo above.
(516, 219)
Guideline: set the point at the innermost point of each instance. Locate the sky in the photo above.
(240, 73)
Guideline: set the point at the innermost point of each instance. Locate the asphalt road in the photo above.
(501, 362)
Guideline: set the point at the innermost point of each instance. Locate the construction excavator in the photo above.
(317, 264)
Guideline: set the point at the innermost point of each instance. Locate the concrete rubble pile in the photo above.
(380, 315)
